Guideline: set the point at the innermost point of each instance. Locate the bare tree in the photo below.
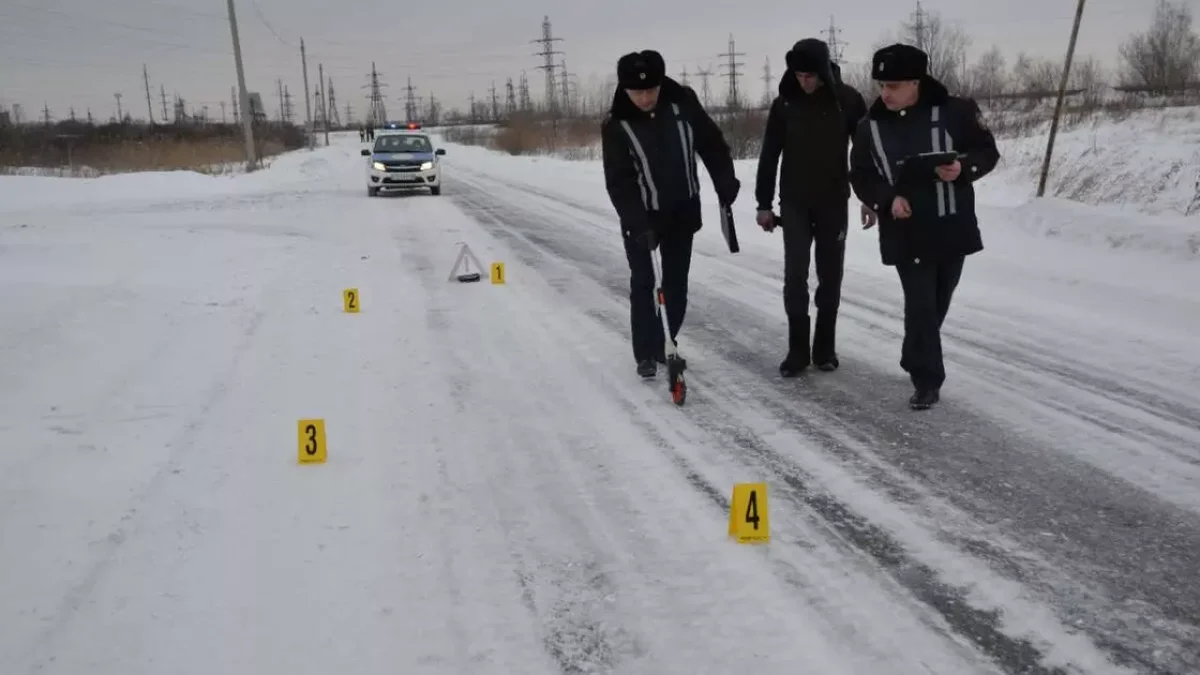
(858, 75)
(1166, 58)
(945, 43)
(988, 77)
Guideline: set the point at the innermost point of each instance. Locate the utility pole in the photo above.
(836, 46)
(279, 87)
(149, 105)
(733, 101)
(162, 92)
(232, 96)
(308, 121)
(222, 112)
(243, 95)
(120, 113)
(324, 101)
(548, 54)
(1058, 105)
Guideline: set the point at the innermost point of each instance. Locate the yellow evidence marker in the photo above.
(311, 448)
(749, 520)
(350, 300)
(497, 273)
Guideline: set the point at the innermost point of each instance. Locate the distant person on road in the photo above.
(810, 124)
(651, 137)
(927, 221)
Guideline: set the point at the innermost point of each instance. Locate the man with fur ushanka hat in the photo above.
(927, 221)
(810, 124)
(651, 137)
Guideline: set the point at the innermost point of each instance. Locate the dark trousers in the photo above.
(802, 227)
(676, 251)
(928, 288)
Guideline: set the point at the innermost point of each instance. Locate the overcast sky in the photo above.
(65, 53)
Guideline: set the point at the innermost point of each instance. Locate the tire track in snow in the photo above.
(1132, 640)
(561, 594)
(979, 626)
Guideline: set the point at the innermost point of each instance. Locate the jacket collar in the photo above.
(933, 93)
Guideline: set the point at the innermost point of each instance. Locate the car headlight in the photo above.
(378, 166)
(427, 166)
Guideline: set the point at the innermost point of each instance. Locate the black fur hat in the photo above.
(809, 56)
(641, 70)
(899, 62)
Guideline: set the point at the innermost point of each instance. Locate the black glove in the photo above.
(650, 238)
(729, 192)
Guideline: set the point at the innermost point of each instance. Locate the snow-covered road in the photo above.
(503, 495)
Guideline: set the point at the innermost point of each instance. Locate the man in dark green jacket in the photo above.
(810, 124)
(927, 221)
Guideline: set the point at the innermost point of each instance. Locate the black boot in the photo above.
(798, 358)
(923, 399)
(647, 368)
(824, 353)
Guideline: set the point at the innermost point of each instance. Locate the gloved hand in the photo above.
(645, 236)
(728, 193)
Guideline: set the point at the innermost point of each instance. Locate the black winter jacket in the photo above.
(813, 133)
(943, 222)
(650, 160)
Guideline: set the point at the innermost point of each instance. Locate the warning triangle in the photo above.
(466, 274)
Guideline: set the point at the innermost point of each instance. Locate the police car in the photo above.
(402, 157)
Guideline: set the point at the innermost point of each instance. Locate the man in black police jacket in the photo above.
(927, 221)
(810, 124)
(651, 137)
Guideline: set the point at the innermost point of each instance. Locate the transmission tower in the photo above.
(120, 113)
(287, 104)
(162, 92)
(566, 87)
(434, 110)
(46, 114)
(836, 46)
(683, 77)
(471, 99)
(376, 111)
(510, 98)
(733, 99)
(919, 27)
(495, 102)
(334, 118)
(524, 100)
(547, 41)
(767, 81)
(705, 92)
(410, 102)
